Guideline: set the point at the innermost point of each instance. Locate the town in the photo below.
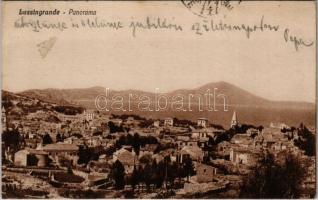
(63, 151)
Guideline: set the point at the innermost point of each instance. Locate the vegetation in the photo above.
(113, 128)
(146, 123)
(118, 175)
(87, 154)
(228, 134)
(47, 139)
(274, 178)
(59, 137)
(183, 122)
(11, 138)
(306, 141)
(125, 117)
(244, 127)
(68, 110)
(135, 141)
(68, 177)
(217, 126)
(156, 175)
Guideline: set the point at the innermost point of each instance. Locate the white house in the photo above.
(202, 122)
(168, 121)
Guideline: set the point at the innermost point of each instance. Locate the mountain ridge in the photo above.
(249, 107)
(230, 90)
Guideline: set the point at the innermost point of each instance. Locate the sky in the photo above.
(265, 64)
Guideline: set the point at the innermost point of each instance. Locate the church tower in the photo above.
(234, 121)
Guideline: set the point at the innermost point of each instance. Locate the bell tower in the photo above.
(234, 121)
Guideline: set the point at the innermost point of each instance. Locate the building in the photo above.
(158, 158)
(74, 140)
(206, 133)
(184, 140)
(156, 123)
(31, 157)
(62, 150)
(88, 115)
(234, 121)
(205, 173)
(130, 120)
(278, 125)
(168, 121)
(148, 149)
(243, 156)
(194, 152)
(202, 122)
(242, 140)
(252, 132)
(32, 143)
(200, 134)
(171, 152)
(65, 118)
(281, 145)
(261, 143)
(127, 158)
(95, 141)
(224, 148)
(117, 122)
(102, 158)
(272, 139)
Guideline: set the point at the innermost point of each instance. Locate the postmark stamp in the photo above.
(207, 8)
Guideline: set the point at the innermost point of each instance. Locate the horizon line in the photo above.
(171, 91)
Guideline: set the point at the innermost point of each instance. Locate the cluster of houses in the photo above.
(91, 129)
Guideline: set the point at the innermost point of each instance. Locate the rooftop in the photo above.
(60, 147)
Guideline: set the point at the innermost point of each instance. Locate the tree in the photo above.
(226, 136)
(172, 173)
(69, 169)
(135, 178)
(272, 178)
(306, 141)
(118, 175)
(11, 138)
(188, 167)
(59, 138)
(113, 128)
(136, 143)
(154, 168)
(217, 126)
(146, 123)
(6, 102)
(129, 139)
(260, 128)
(160, 173)
(83, 155)
(147, 175)
(244, 127)
(121, 141)
(47, 139)
(68, 110)
(145, 159)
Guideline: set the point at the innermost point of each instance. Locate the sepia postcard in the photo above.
(183, 99)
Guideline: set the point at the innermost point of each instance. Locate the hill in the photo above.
(19, 105)
(250, 108)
